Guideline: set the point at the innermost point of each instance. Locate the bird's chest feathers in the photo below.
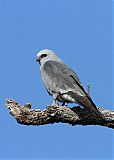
(49, 80)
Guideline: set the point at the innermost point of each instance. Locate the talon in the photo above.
(54, 104)
(63, 104)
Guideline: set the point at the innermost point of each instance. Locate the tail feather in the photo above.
(91, 107)
(86, 102)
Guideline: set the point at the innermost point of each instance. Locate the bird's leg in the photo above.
(55, 103)
(63, 104)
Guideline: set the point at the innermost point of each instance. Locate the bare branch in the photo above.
(53, 114)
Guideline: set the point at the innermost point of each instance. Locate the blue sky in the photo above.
(80, 32)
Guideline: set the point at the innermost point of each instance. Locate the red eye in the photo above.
(43, 55)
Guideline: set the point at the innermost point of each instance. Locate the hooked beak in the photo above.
(38, 59)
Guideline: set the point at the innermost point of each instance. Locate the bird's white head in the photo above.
(46, 55)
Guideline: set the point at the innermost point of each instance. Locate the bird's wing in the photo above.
(58, 76)
(60, 79)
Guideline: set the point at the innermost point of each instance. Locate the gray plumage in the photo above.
(62, 82)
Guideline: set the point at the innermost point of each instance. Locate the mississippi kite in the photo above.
(62, 82)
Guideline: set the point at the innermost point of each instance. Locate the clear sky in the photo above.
(80, 32)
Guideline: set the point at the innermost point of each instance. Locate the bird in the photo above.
(63, 83)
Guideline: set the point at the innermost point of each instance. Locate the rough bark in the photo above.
(53, 114)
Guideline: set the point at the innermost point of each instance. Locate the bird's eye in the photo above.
(43, 55)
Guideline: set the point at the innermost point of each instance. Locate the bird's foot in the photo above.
(63, 104)
(54, 104)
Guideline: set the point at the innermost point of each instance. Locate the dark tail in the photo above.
(91, 107)
(86, 102)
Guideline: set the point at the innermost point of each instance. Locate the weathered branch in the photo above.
(53, 114)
